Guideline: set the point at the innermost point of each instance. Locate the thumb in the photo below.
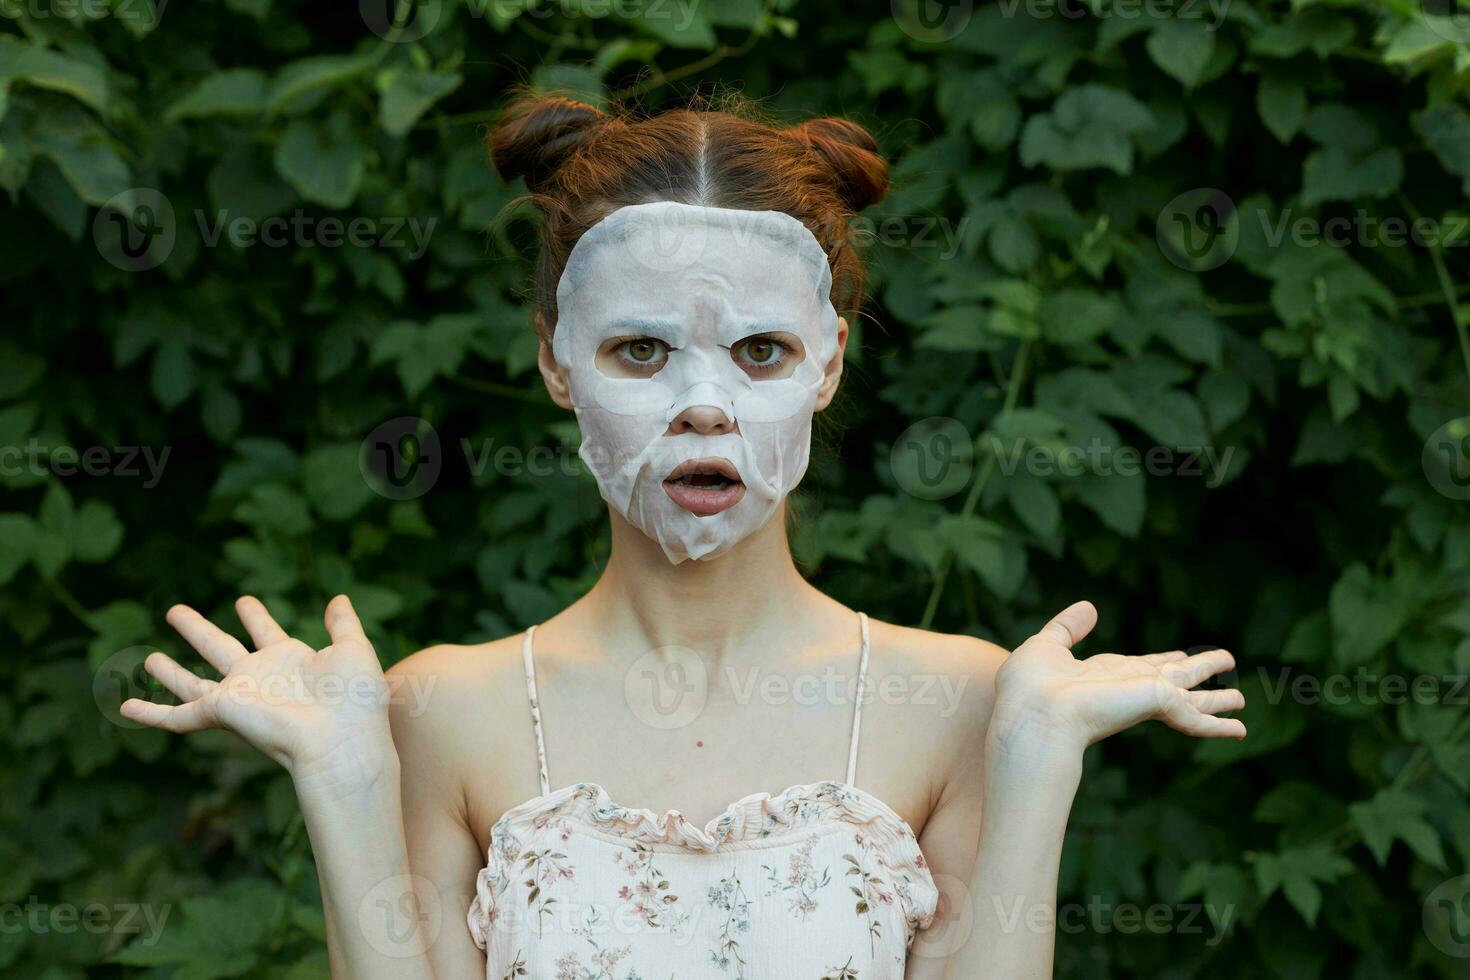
(1071, 625)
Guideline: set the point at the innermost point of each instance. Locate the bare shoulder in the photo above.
(957, 657)
(451, 683)
(458, 711)
(931, 697)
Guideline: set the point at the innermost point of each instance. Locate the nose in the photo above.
(704, 420)
(705, 409)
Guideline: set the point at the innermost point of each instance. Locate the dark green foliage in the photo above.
(1051, 271)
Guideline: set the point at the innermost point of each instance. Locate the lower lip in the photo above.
(704, 501)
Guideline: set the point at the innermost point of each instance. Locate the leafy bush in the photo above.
(1169, 227)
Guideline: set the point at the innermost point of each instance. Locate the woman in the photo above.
(691, 272)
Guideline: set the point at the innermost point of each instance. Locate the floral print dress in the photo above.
(820, 882)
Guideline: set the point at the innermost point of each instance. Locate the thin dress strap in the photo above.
(529, 662)
(857, 709)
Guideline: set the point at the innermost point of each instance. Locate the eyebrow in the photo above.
(750, 327)
(659, 328)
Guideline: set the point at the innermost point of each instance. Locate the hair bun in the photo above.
(538, 132)
(861, 175)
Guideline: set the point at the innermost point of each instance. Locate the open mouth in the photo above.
(705, 486)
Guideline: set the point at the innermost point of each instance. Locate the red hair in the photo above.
(581, 163)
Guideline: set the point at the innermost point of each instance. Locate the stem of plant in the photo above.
(977, 489)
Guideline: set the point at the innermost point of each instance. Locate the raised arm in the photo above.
(324, 716)
(1049, 707)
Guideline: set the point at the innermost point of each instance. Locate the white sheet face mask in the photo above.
(698, 281)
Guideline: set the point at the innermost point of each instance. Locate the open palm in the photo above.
(1087, 699)
(307, 709)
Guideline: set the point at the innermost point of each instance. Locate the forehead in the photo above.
(696, 261)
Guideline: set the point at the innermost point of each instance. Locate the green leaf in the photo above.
(406, 94)
(28, 62)
(986, 549)
(1415, 39)
(1089, 126)
(1366, 616)
(18, 533)
(173, 376)
(301, 84)
(96, 532)
(333, 482)
(19, 369)
(1225, 398)
(218, 935)
(1035, 503)
(1297, 872)
(244, 184)
(1172, 418)
(236, 92)
(678, 23)
(1224, 888)
(1446, 128)
(958, 328)
(84, 153)
(1182, 47)
(274, 508)
(1397, 815)
(428, 351)
(1119, 499)
(995, 122)
(1282, 105)
(324, 162)
(1335, 174)
(1076, 316)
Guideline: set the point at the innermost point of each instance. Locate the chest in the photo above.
(821, 881)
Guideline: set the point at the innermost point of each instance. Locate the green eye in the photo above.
(760, 351)
(642, 351)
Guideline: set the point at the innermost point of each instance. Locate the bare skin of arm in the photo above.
(323, 716)
(1048, 706)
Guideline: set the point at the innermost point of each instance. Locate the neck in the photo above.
(743, 596)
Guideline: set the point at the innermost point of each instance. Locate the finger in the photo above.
(1071, 625)
(259, 623)
(1213, 702)
(214, 644)
(1184, 718)
(192, 717)
(342, 621)
(184, 683)
(1167, 657)
(1199, 668)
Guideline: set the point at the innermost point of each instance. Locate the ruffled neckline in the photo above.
(755, 817)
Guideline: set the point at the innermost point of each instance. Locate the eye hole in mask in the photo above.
(761, 356)
(768, 355)
(632, 357)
